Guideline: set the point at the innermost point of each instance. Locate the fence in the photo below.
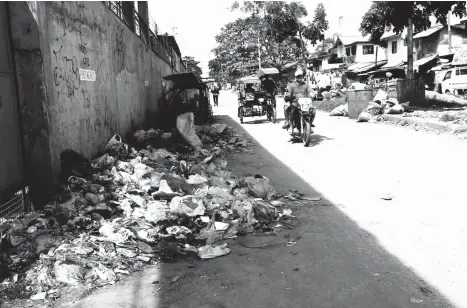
(19, 203)
(148, 33)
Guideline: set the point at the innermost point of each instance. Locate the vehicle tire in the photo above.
(241, 120)
(447, 92)
(306, 134)
(273, 115)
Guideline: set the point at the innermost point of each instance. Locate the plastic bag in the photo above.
(115, 146)
(196, 179)
(177, 205)
(103, 162)
(260, 188)
(264, 212)
(374, 109)
(219, 195)
(103, 274)
(186, 127)
(381, 96)
(396, 109)
(71, 274)
(364, 117)
(340, 111)
(210, 252)
(156, 211)
(164, 191)
(109, 230)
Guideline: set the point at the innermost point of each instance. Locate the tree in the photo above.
(192, 66)
(238, 44)
(407, 14)
(284, 21)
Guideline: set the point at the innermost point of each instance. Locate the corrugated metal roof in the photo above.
(428, 32)
(390, 33)
(351, 39)
(423, 61)
(393, 64)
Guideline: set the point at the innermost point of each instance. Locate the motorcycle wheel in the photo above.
(306, 134)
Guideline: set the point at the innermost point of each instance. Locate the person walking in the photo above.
(215, 95)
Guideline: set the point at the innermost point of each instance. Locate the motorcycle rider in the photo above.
(296, 90)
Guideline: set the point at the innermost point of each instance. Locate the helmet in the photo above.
(298, 73)
(388, 74)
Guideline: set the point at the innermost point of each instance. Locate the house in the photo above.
(355, 49)
(360, 54)
(396, 48)
(435, 40)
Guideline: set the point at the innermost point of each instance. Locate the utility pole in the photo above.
(449, 31)
(410, 50)
(259, 54)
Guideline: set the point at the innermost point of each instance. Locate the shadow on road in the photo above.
(334, 262)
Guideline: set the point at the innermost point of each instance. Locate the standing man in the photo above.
(215, 95)
(270, 87)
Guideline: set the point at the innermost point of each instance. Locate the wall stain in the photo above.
(119, 52)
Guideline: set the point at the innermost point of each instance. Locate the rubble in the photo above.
(128, 208)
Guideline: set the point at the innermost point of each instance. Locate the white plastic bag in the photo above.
(186, 128)
(341, 110)
(177, 206)
(381, 96)
(396, 109)
(156, 211)
(210, 252)
(71, 274)
(364, 117)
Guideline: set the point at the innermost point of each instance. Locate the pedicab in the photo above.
(187, 93)
(252, 102)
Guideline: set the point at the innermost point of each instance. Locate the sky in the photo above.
(197, 22)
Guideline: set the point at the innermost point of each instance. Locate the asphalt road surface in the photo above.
(353, 248)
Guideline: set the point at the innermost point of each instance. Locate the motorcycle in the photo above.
(302, 116)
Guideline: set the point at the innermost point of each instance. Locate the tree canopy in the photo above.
(237, 48)
(397, 14)
(275, 26)
(192, 65)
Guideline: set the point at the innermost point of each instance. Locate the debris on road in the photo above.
(387, 197)
(210, 252)
(135, 205)
(416, 301)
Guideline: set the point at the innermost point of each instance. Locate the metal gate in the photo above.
(11, 156)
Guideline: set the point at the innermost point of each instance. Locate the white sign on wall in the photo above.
(87, 75)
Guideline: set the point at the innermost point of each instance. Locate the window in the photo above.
(461, 71)
(447, 76)
(354, 50)
(394, 47)
(368, 49)
(347, 51)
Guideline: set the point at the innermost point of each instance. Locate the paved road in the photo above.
(359, 251)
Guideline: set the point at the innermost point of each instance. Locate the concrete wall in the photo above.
(70, 113)
(401, 54)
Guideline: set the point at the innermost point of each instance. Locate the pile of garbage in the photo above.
(129, 208)
(380, 105)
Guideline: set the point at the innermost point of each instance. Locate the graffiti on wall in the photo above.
(65, 73)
